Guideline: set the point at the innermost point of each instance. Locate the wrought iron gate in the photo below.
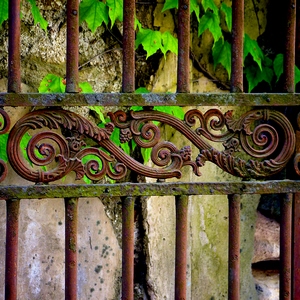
(269, 130)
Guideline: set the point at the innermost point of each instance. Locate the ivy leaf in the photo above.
(146, 154)
(252, 47)
(255, 75)
(170, 43)
(94, 12)
(297, 75)
(3, 144)
(137, 23)
(3, 11)
(169, 4)
(194, 7)
(115, 10)
(278, 65)
(141, 90)
(221, 53)
(228, 15)
(211, 22)
(210, 4)
(52, 84)
(37, 17)
(150, 40)
(85, 87)
(99, 111)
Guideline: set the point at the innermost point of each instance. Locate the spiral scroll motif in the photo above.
(265, 135)
(4, 127)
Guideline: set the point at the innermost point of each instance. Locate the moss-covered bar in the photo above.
(151, 99)
(148, 189)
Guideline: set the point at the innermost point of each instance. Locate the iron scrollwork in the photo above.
(265, 135)
(4, 127)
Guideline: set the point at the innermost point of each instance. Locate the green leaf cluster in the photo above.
(95, 12)
(37, 16)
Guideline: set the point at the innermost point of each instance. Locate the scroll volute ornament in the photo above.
(62, 137)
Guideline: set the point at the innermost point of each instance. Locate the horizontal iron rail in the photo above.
(148, 189)
(151, 99)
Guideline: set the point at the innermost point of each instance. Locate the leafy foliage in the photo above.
(251, 47)
(222, 54)
(55, 84)
(37, 17)
(3, 11)
(228, 15)
(94, 12)
(153, 40)
(210, 21)
(255, 75)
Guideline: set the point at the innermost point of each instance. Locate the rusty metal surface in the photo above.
(183, 72)
(14, 57)
(71, 207)
(128, 76)
(148, 189)
(181, 246)
(127, 248)
(286, 247)
(266, 136)
(72, 53)
(234, 203)
(296, 247)
(289, 47)
(150, 99)
(11, 254)
(237, 49)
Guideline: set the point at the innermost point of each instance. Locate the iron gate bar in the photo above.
(286, 204)
(234, 204)
(14, 33)
(289, 47)
(11, 253)
(12, 206)
(71, 224)
(183, 71)
(296, 252)
(286, 246)
(237, 46)
(127, 248)
(128, 75)
(150, 99)
(71, 204)
(234, 199)
(72, 46)
(182, 202)
(128, 86)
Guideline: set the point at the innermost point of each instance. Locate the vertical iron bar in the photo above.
(71, 205)
(11, 255)
(72, 46)
(14, 61)
(183, 80)
(128, 82)
(296, 252)
(237, 52)
(234, 202)
(289, 52)
(181, 246)
(286, 246)
(127, 247)
(12, 206)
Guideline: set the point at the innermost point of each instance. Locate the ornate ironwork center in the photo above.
(60, 141)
